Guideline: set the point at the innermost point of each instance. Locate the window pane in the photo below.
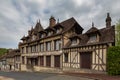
(93, 38)
(57, 45)
(41, 47)
(66, 57)
(74, 41)
(48, 46)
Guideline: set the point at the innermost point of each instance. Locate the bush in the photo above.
(113, 60)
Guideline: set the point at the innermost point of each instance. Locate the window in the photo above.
(34, 48)
(93, 38)
(23, 61)
(17, 58)
(58, 30)
(49, 33)
(48, 46)
(27, 49)
(36, 61)
(66, 57)
(74, 41)
(22, 51)
(41, 47)
(57, 45)
(42, 35)
(33, 37)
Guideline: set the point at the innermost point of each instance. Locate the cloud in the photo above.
(18, 16)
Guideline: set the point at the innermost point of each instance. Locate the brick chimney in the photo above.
(52, 21)
(108, 20)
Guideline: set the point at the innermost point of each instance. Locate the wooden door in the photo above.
(48, 61)
(57, 61)
(86, 60)
(41, 60)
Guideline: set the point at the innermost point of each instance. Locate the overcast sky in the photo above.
(18, 16)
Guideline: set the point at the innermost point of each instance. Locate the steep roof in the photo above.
(13, 53)
(92, 30)
(107, 35)
(68, 24)
(38, 27)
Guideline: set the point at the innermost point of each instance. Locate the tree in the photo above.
(117, 34)
(3, 51)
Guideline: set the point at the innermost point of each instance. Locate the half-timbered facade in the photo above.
(65, 46)
(87, 52)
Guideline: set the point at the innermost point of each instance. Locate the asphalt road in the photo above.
(39, 76)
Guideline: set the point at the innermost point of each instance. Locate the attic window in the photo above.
(74, 41)
(49, 33)
(93, 38)
(58, 30)
(42, 35)
(33, 37)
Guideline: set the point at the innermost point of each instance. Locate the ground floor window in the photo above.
(65, 57)
(23, 61)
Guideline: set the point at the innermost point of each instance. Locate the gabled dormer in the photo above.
(23, 39)
(42, 34)
(93, 34)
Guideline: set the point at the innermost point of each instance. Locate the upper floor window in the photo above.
(27, 49)
(93, 38)
(17, 58)
(57, 44)
(41, 47)
(33, 48)
(22, 50)
(48, 46)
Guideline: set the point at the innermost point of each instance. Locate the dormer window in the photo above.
(58, 30)
(74, 41)
(42, 35)
(49, 33)
(93, 38)
(33, 37)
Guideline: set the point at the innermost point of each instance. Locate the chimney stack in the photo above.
(108, 20)
(52, 21)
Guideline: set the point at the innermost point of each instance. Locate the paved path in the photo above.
(37, 76)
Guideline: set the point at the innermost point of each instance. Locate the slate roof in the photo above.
(13, 53)
(68, 24)
(65, 25)
(38, 27)
(107, 35)
(92, 30)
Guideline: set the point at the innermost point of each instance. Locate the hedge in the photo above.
(113, 60)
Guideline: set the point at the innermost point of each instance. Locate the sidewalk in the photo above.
(5, 78)
(94, 76)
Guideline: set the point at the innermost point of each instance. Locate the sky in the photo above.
(18, 16)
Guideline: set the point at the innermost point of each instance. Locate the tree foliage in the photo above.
(3, 51)
(113, 60)
(117, 35)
